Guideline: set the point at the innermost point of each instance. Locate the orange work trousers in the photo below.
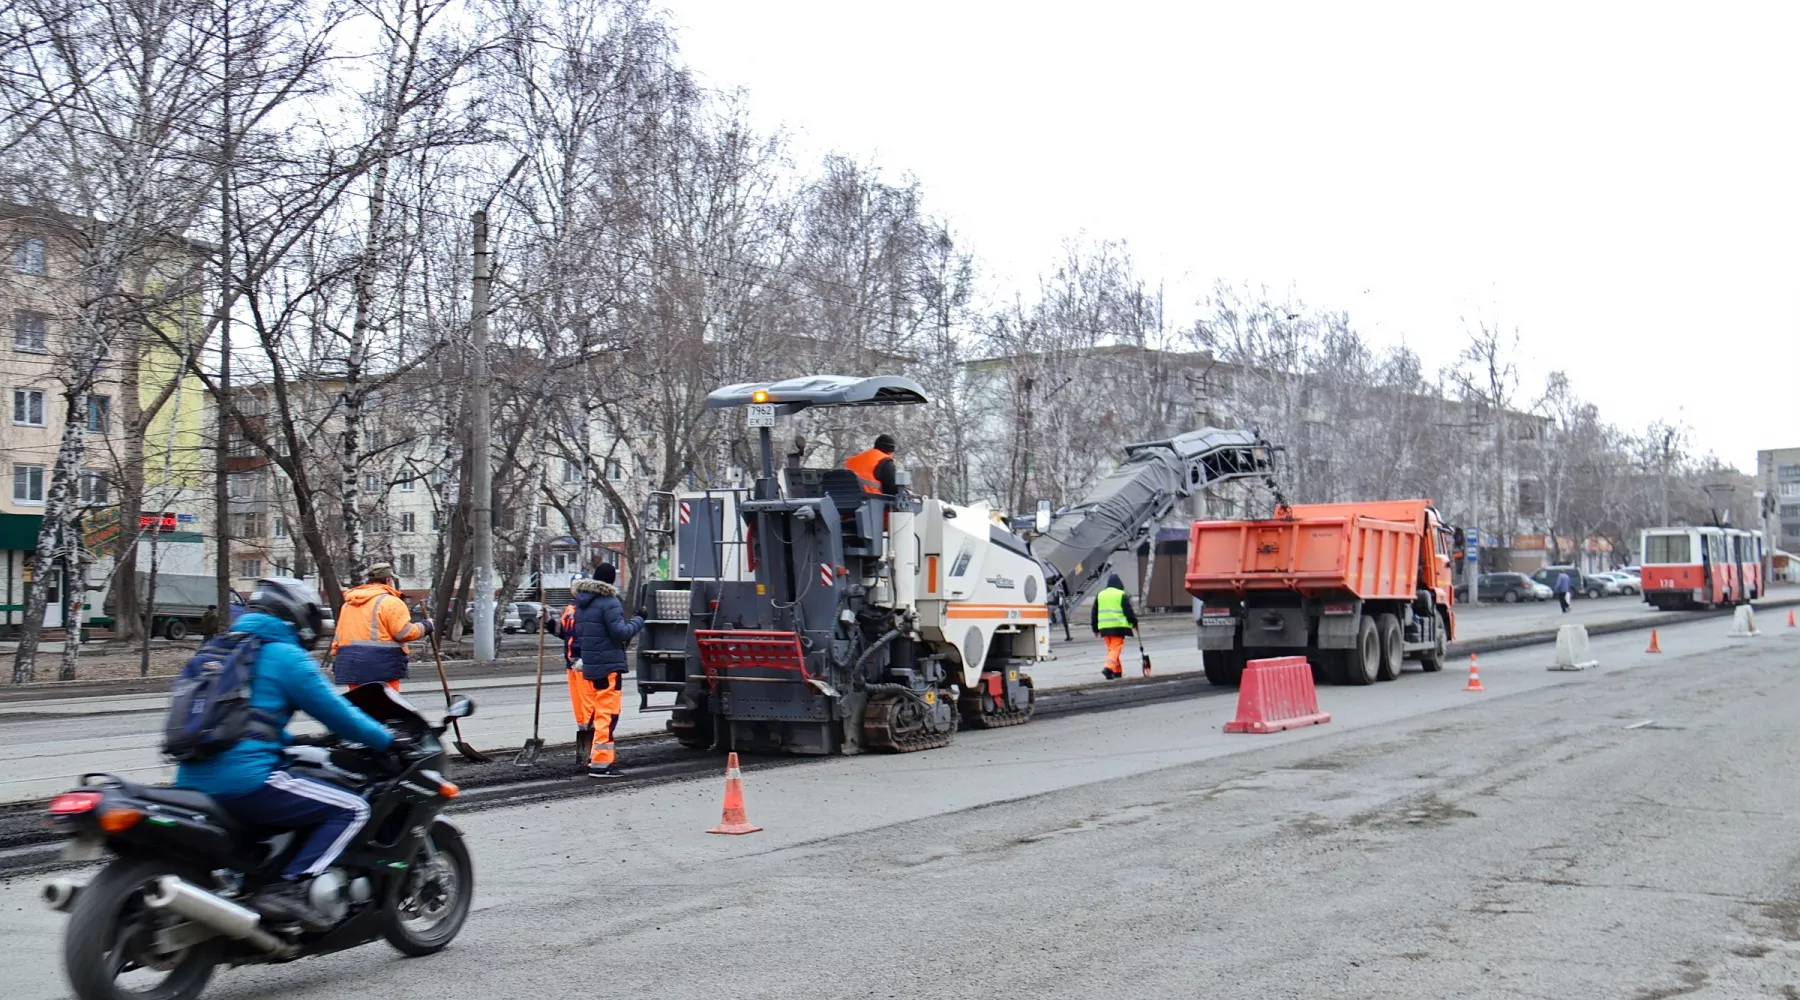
(609, 701)
(581, 699)
(1115, 650)
(392, 686)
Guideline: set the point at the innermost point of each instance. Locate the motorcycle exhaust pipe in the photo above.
(59, 895)
(216, 912)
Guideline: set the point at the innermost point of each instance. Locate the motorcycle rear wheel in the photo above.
(426, 909)
(111, 937)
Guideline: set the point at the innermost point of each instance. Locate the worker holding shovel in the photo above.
(1113, 620)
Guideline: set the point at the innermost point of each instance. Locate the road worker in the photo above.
(581, 692)
(601, 634)
(372, 629)
(1113, 620)
(875, 467)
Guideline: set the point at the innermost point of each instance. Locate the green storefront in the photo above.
(18, 540)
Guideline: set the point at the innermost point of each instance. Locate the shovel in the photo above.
(468, 752)
(1141, 654)
(534, 747)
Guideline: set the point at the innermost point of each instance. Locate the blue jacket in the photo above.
(1564, 585)
(286, 679)
(601, 630)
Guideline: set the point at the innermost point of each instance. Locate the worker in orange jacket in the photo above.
(373, 628)
(582, 693)
(875, 467)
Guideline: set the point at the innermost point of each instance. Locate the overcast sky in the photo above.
(1619, 182)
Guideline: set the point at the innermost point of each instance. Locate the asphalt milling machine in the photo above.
(806, 615)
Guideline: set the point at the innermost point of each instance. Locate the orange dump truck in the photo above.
(1356, 588)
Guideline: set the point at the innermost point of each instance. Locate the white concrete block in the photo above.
(1572, 649)
(1743, 623)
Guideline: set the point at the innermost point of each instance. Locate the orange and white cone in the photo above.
(1790, 618)
(1474, 676)
(734, 820)
(1655, 647)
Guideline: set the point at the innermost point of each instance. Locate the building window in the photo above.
(247, 524)
(406, 565)
(28, 407)
(31, 256)
(371, 483)
(408, 523)
(31, 332)
(1790, 489)
(283, 569)
(1790, 510)
(612, 514)
(408, 486)
(437, 520)
(249, 567)
(571, 473)
(99, 414)
(280, 526)
(1531, 498)
(95, 487)
(543, 515)
(241, 486)
(237, 445)
(561, 562)
(614, 471)
(1788, 471)
(28, 484)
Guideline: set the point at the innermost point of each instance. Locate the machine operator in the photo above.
(876, 467)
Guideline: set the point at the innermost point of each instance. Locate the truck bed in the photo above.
(1370, 551)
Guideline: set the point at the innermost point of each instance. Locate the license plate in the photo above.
(762, 415)
(1218, 621)
(83, 849)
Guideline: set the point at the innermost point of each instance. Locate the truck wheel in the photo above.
(1393, 652)
(1433, 659)
(175, 630)
(1224, 667)
(1362, 665)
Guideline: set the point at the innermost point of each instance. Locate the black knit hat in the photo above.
(885, 442)
(605, 573)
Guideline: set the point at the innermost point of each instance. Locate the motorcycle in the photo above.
(171, 906)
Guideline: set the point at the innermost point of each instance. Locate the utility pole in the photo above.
(480, 444)
(222, 447)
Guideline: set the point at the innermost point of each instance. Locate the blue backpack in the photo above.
(209, 708)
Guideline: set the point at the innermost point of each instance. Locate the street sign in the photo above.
(1472, 543)
(762, 415)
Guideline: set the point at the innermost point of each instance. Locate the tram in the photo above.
(1705, 566)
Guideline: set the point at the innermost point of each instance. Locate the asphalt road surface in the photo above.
(1624, 832)
(46, 744)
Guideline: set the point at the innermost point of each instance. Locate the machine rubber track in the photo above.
(893, 723)
(972, 706)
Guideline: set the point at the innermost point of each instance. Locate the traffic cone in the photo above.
(1474, 676)
(1655, 647)
(734, 820)
(1790, 618)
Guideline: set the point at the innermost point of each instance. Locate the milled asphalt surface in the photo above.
(1625, 832)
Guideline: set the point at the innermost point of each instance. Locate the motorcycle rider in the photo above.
(250, 780)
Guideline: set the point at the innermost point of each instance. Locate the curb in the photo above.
(1545, 637)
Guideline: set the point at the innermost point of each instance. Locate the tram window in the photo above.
(1667, 549)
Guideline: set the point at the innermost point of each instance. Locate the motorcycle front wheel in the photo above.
(117, 948)
(427, 907)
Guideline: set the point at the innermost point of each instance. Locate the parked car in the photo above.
(1626, 583)
(509, 617)
(1510, 588)
(1581, 582)
(531, 615)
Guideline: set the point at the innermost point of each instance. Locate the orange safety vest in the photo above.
(864, 467)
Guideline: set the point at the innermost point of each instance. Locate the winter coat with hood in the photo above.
(1114, 583)
(601, 630)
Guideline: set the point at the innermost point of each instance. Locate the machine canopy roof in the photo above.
(796, 394)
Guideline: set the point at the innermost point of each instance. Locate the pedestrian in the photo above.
(1113, 620)
(373, 628)
(1564, 587)
(209, 623)
(601, 634)
(875, 467)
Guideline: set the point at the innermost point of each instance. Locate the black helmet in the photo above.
(293, 601)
